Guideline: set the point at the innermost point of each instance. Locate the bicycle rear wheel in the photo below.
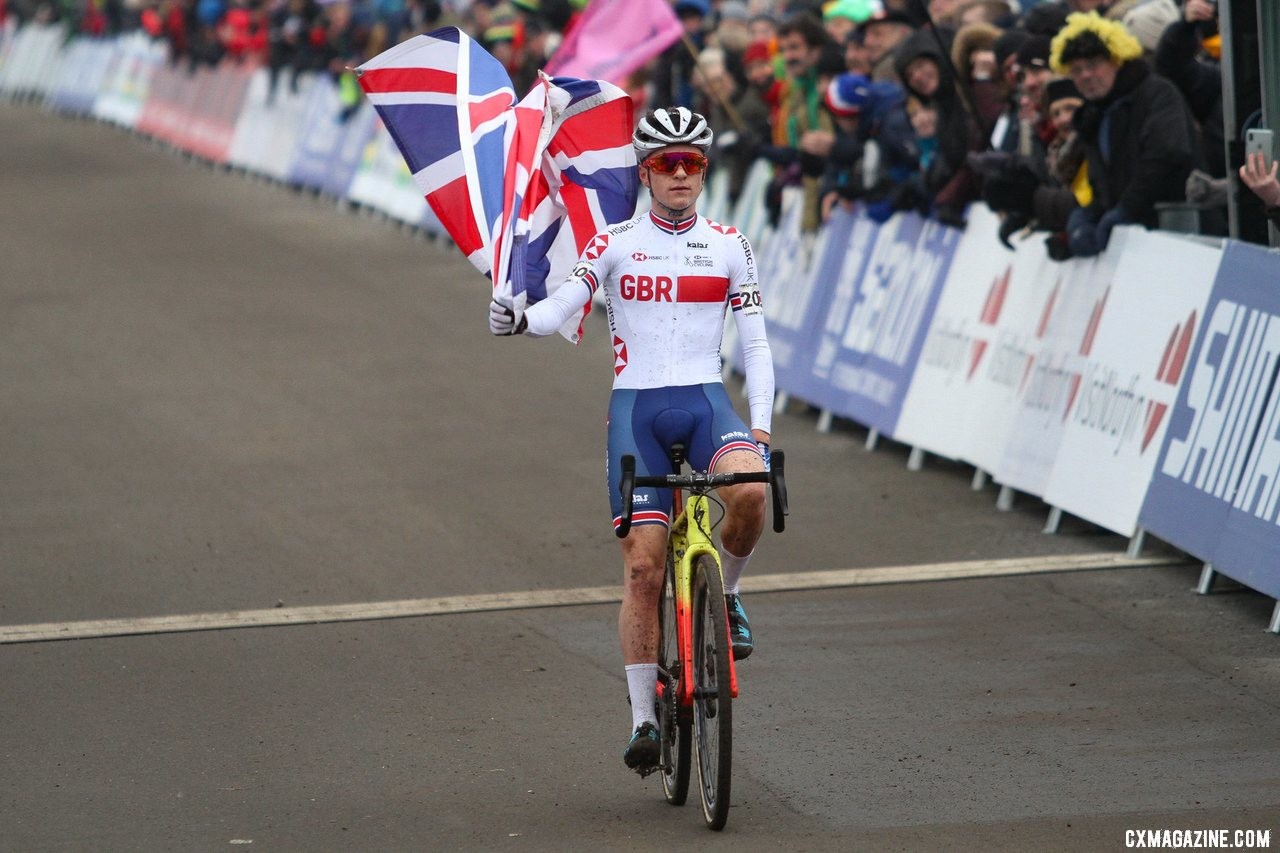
(673, 721)
(712, 705)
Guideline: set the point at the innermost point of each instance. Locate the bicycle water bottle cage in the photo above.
(676, 453)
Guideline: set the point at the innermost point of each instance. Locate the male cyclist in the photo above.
(667, 276)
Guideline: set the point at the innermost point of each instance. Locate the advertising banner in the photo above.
(33, 59)
(944, 387)
(749, 214)
(165, 114)
(847, 272)
(215, 110)
(1214, 492)
(891, 310)
(714, 201)
(125, 90)
(319, 138)
(382, 180)
(998, 355)
(776, 267)
(253, 127)
(355, 135)
(288, 100)
(1070, 298)
(81, 74)
(804, 308)
(1114, 393)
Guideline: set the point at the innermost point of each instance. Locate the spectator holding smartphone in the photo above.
(1262, 180)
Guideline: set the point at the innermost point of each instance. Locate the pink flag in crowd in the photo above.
(614, 38)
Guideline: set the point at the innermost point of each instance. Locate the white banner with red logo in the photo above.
(1126, 377)
(1043, 357)
(953, 382)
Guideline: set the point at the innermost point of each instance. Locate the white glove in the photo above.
(502, 320)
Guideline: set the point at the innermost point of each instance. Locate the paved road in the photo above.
(220, 395)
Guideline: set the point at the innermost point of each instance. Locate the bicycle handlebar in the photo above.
(701, 483)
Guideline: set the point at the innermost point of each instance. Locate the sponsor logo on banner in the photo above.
(1227, 392)
(1117, 406)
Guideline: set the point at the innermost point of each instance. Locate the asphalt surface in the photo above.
(218, 394)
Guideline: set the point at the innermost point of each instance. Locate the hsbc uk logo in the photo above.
(639, 257)
(619, 355)
(597, 246)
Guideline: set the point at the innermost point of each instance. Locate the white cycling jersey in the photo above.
(666, 285)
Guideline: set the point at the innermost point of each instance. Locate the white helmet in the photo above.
(670, 126)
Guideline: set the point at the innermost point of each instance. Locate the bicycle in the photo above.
(697, 680)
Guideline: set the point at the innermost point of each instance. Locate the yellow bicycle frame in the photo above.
(686, 542)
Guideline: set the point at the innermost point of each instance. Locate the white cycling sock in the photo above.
(731, 567)
(642, 685)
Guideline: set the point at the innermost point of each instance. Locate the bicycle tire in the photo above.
(712, 704)
(674, 722)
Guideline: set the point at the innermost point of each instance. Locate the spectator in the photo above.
(1084, 6)
(1262, 181)
(944, 12)
(842, 17)
(803, 133)
(673, 72)
(856, 58)
(1004, 135)
(881, 35)
(1148, 20)
(1065, 154)
(950, 183)
(998, 13)
(733, 32)
(764, 27)
(1138, 134)
(1178, 57)
(874, 147)
(738, 147)
(1029, 193)
(974, 58)
(1045, 19)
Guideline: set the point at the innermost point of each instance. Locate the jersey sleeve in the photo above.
(547, 316)
(748, 314)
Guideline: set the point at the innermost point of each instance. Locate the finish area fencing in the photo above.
(1137, 390)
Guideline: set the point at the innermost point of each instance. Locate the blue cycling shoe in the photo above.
(739, 627)
(644, 751)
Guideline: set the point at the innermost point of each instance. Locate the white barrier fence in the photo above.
(1135, 390)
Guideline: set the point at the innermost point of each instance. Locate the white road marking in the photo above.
(278, 616)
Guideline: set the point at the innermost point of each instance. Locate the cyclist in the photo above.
(668, 275)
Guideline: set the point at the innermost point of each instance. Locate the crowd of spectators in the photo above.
(1067, 116)
(1064, 116)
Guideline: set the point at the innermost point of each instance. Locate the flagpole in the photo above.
(729, 108)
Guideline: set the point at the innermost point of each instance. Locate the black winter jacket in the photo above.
(1152, 143)
(1200, 83)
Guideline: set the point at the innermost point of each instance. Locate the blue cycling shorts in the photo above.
(646, 422)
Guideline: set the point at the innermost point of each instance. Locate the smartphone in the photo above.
(1261, 142)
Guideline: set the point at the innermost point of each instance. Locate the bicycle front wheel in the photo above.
(674, 722)
(712, 702)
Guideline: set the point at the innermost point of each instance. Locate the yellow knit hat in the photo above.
(1119, 42)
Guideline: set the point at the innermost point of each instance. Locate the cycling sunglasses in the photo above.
(666, 164)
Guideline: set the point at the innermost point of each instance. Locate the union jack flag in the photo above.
(504, 176)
